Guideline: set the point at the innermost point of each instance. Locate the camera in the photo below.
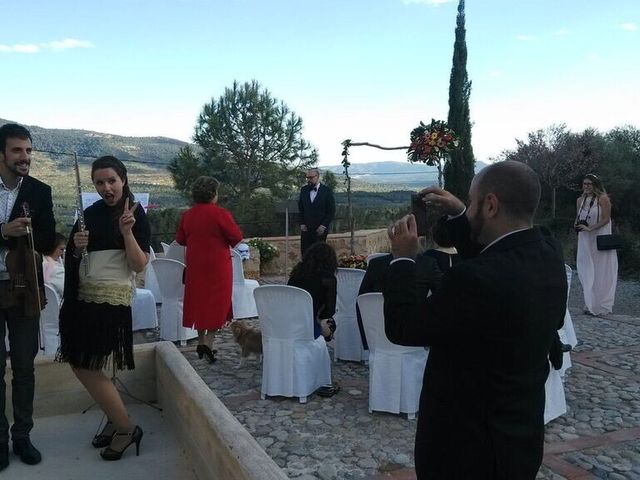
(581, 222)
(419, 210)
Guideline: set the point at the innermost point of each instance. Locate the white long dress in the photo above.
(597, 269)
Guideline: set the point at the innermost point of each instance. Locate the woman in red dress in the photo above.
(207, 231)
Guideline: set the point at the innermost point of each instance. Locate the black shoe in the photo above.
(26, 451)
(103, 439)
(203, 350)
(4, 456)
(134, 437)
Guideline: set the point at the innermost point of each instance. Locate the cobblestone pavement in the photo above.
(336, 438)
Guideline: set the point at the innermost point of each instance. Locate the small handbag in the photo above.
(613, 241)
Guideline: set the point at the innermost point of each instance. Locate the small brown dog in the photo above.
(249, 339)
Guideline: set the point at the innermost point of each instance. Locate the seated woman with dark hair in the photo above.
(445, 253)
(316, 274)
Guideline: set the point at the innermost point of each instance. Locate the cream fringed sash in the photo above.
(110, 279)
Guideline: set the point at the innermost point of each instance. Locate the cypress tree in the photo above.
(460, 170)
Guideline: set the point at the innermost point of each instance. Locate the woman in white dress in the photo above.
(52, 266)
(597, 269)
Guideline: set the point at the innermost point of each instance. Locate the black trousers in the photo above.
(310, 237)
(23, 346)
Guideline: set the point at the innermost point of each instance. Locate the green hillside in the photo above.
(145, 157)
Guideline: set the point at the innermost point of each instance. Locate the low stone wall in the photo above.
(219, 447)
(365, 242)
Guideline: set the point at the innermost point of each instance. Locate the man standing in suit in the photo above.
(317, 208)
(16, 189)
(490, 327)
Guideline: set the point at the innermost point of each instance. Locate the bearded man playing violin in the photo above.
(26, 220)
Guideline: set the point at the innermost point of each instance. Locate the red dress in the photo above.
(207, 231)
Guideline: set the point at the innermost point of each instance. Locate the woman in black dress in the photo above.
(316, 274)
(95, 318)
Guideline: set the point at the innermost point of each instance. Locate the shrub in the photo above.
(267, 251)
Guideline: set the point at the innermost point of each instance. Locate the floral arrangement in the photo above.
(267, 251)
(430, 143)
(353, 261)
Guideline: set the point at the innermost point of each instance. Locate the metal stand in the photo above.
(122, 390)
(286, 207)
(286, 244)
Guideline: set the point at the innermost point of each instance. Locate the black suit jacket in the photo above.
(428, 277)
(490, 327)
(38, 196)
(320, 212)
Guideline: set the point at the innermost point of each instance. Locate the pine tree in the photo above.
(460, 170)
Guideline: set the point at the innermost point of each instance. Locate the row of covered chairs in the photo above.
(395, 372)
(295, 364)
(168, 273)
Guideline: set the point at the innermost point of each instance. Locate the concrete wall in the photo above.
(366, 242)
(59, 392)
(220, 448)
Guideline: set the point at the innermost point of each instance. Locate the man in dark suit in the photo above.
(16, 189)
(428, 276)
(317, 208)
(490, 327)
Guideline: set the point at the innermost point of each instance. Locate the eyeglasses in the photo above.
(587, 184)
(311, 176)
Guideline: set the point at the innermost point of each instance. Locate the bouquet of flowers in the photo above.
(429, 143)
(267, 251)
(353, 261)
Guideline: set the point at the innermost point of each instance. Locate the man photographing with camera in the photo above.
(490, 328)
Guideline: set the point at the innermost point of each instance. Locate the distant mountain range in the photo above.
(399, 174)
(158, 150)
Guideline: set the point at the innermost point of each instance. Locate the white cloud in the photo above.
(526, 38)
(58, 45)
(562, 32)
(54, 46)
(433, 3)
(630, 27)
(21, 48)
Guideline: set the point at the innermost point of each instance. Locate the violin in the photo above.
(24, 265)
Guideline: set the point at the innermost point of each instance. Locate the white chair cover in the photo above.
(150, 279)
(294, 363)
(374, 255)
(176, 252)
(49, 319)
(169, 274)
(244, 305)
(165, 248)
(395, 372)
(143, 310)
(555, 400)
(348, 343)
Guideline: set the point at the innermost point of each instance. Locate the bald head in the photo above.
(516, 186)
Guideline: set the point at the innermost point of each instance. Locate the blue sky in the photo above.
(368, 70)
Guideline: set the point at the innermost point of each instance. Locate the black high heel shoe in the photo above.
(203, 350)
(134, 437)
(103, 439)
